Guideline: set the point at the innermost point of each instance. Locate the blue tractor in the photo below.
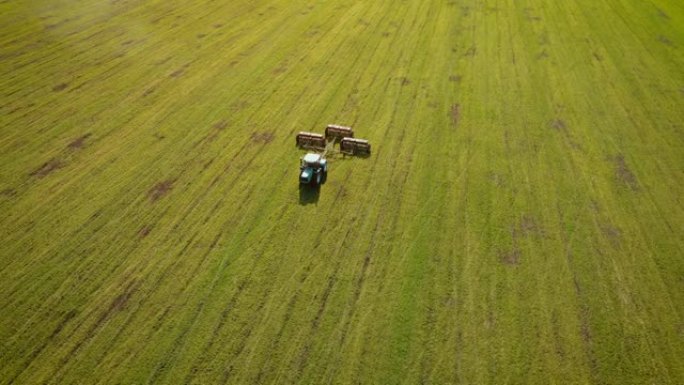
(313, 170)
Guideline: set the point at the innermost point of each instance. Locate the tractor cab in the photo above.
(313, 169)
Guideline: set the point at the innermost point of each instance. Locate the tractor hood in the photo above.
(312, 158)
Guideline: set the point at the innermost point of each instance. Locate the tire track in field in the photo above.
(583, 309)
(232, 302)
(227, 374)
(131, 316)
(224, 315)
(367, 256)
(303, 356)
(307, 270)
(118, 304)
(37, 351)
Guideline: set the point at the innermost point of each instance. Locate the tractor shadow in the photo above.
(309, 194)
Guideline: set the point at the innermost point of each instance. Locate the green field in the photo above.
(520, 219)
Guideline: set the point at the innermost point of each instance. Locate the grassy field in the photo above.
(519, 221)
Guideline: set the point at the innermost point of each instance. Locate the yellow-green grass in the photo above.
(519, 221)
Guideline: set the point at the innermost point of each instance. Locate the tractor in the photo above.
(313, 170)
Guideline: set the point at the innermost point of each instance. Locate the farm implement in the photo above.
(313, 168)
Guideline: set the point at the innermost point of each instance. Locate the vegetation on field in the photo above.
(519, 220)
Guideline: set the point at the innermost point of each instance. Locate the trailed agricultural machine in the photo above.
(313, 169)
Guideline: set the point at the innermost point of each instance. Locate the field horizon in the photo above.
(516, 221)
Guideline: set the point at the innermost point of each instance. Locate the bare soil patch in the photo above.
(119, 303)
(455, 78)
(163, 61)
(8, 192)
(149, 91)
(611, 233)
(60, 87)
(144, 231)
(510, 257)
(280, 69)
(218, 25)
(662, 14)
(47, 168)
(624, 174)
(455, 113)
(496, 179)
(405, 81)
(472, 51)
(201, 35)
(220, 125)
(665, 40)
(525, 227)
(558, 124)
(262, 137)
(79, 142)
(160, 189)
(177, 73)
(239, 105)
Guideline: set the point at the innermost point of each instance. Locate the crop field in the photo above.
(520, 219)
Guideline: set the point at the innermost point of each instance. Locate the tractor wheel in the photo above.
(318, 179)
(325, 176)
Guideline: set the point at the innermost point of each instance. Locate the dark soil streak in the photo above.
(262, 137)
(662, 14)
(558, 341)
(47, 168)
(79, 142)
(665, 40)
(60, 87)
(144, 231)
(160, 189)
(177, 73)
(624, 174)
(220, 125)
(583, 313)
(455, 113)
